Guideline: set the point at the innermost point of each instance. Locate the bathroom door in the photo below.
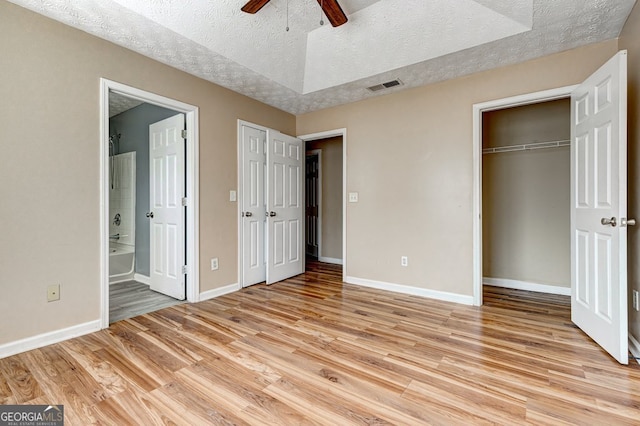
(167, 212)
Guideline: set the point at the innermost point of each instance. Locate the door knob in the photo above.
(248, 214)
(271, 214)
(605, 221)
(627, 222)
(150, 214)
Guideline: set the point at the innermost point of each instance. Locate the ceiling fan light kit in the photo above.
(331, 9)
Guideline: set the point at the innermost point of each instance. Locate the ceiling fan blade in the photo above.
(253, 6)
(334, 12)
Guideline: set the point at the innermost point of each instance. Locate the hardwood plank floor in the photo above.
(130, 298)
(312, 350)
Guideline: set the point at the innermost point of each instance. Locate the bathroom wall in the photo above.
(122, 198)
(133, 127)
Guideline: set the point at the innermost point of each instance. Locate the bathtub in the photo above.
(121, 262)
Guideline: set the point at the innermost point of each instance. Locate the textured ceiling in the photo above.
(312, 67)
(119, 104)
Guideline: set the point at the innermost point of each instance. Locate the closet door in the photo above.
(285, 207)
(253, 260)
(271, 179)
(599, 207)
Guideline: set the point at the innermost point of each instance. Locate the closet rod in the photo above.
(528, 146)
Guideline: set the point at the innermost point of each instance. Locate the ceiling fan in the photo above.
(331, 9)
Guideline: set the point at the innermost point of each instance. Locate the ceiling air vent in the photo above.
(387, 85)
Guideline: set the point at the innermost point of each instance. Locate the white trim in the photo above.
(330, 260)
(330, 134)
(41, 340)
(528, 286)
(414, 291)
(192, 215)
(478, 109)
(634, 347)
(129, 277)
(217, 292)
(142, 279)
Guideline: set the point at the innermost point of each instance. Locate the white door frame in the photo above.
(192, 193)
(330, 134)
(318, 153)
(478, 109)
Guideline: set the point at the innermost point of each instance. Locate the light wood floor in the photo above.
(311, 350)
(130, 298)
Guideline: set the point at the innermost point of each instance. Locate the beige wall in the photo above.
(50, 166)
(630, 40)
(409, 155)
(331, 195)
(526, 216)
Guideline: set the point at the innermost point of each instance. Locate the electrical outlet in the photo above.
(214, 264)
(353, 197)
(636, 301)
(404, 261)
(53, 293)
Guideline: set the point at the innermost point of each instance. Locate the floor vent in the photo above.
(387, 85)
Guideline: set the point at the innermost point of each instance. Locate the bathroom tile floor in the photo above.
(130, 298)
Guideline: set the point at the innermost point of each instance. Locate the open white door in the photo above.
(253, 157)
(313, 199)
(285, 207)
(167, 186)
(599, 207)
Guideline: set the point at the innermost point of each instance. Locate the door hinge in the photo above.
(184, 269)
(184, 201)
(184, 134)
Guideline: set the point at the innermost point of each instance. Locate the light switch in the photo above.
(233, 196)
(353, 197)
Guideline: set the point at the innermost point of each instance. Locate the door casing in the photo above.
(192, 188)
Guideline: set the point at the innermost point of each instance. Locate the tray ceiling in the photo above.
(311, 66)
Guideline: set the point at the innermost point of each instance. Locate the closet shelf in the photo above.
(528, 146)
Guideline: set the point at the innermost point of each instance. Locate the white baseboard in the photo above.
(330, 260)
(414, 291)
(217, 292)
(50, 338)
(143, 279)
(634, 347)
(528, 286)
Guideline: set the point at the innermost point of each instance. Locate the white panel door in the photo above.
(285, 198)
(312, 215)
(599, 207)
(166, 216)
(253, 145)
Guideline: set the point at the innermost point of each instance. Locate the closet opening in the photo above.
(525, 193)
